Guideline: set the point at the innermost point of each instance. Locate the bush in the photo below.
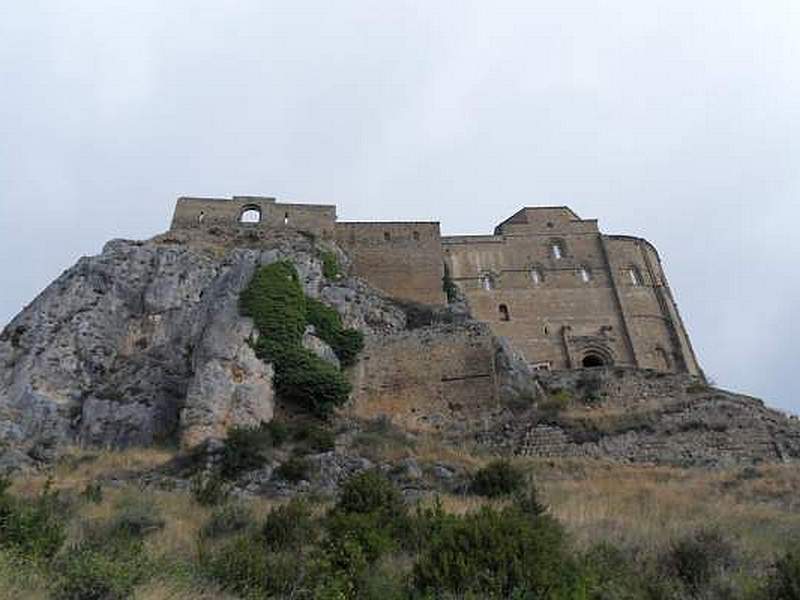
(278, 432)
(303, 378)
(370, 492)
(244, 566)
(245, 449)
(498, 554)
(280, 309)
(209, 489)
(227, 519)
(316, 438)
(330, 264)
(784, 583)
(88, 574)
(346, 343)
(276, 302)
(289, 527)
(370, 531)
(293, 470)
(34, 528)
(498, 478)
(698, 558)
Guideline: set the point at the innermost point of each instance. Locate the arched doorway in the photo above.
(593, 360)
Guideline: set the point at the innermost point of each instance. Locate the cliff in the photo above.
(146, 344)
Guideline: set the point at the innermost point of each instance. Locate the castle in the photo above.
(563, 293)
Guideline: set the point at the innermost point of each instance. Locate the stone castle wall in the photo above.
(563, 293)
(402, 259)
(434, 379)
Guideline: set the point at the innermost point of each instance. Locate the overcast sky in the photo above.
(675, 121)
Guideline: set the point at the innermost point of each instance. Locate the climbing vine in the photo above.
(275, 300)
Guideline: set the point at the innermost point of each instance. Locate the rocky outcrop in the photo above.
(145, 342)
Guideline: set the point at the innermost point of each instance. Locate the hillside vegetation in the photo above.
(93, 528)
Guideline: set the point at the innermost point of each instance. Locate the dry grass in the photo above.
(647, 507)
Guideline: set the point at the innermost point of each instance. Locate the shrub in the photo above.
(370, 492)
(498, 478)
(294, 469)
(278, 432)
(93, 492)
(303, 378)
(88, 574)
(280, 309)
(698, 558)
(330, 264)
(784, 582)
(289, 527)
(346, 343)
(209, 489)
(373, 534)
(448, 286)
(245, 449)
(245, 567)
(35, 528)
(276, 302)
(229, 518)
(496, 554)
(556, 402)
(316, 438)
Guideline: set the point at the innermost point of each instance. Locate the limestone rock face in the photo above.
(145, 342)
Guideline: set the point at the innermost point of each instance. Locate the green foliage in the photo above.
(231, 517)
(784, 583)
(245, 449)
(209, 489)
(370, 531)
(498, 478)
(346, 343)
(93, 574)
(316, 438)
(330, 264)
(497, 554)
(370, 492)
(276, 302)
(289, 527)
(93, 492)
(304, 379)
(278, 432)
(280, 309)
(698, 557)
(33, 527)
(448, 285)
(556, 402)
(245, 567)
(293, 469)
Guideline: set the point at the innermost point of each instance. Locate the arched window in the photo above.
(251, 214)
(558, 249)
(415, 235)
(504, 314)
(585, 274)
(487, 282)
(387, 236)
(635, 276)
(536, 275)
(285, 218)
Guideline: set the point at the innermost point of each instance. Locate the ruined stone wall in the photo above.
(402, 259)
(226, 214)
(436, 378)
